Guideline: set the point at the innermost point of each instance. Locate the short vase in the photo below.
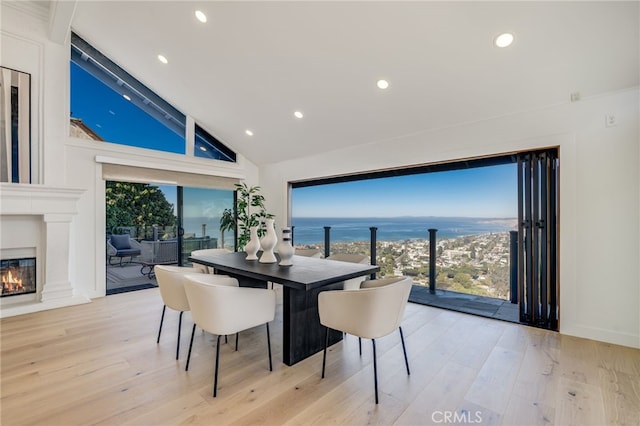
(268, 243)
(285, 249)
(253, 245)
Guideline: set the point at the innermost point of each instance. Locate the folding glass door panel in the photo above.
(537, 238)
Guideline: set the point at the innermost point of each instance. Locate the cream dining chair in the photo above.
(371, 312)
(211, 279)
(353, 283)
(317, 253)
(207, 252)
(171, 283)
(227, 309)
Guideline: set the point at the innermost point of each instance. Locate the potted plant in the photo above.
(251, 212)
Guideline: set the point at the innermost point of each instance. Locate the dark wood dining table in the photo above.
(302, 335)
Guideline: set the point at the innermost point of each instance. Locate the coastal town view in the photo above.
(473, 264)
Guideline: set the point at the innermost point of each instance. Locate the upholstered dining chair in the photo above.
(227, 309)
(171, 282)
(206, 252)
(371, 312)
(353, 283)
(211, 279)
(317, 253)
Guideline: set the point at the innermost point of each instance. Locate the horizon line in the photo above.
(403, 216)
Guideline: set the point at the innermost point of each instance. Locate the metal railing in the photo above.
(433, 257)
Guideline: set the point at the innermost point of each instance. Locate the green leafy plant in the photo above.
(251, 212)
(138, 205)
(227, 223)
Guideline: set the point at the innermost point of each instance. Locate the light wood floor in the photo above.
(99, 364)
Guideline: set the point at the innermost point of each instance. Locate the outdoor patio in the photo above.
(127, 278)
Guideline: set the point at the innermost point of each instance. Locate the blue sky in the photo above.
(115, 119)
(479, 192)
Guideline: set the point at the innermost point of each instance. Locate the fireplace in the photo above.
(18, 276)
(37, 223)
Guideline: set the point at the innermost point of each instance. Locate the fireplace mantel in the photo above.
(54, 208)
(29, 199)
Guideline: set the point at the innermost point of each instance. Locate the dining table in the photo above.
(302, 335)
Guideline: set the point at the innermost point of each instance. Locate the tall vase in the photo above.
(285, 249)
(268, 243)
(253, 245)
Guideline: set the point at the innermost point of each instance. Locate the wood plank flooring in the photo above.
(99, 364)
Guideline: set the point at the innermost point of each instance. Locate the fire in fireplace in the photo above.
(18, 276)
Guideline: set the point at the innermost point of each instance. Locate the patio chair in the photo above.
(122, 246)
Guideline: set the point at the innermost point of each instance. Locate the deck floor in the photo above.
(488, 307)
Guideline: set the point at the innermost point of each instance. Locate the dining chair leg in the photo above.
(268, 346)
(237, 341)
(164, 308)
(404, 349)
(375, 368)
(179, 328)
(225, 339)
(324, 354)
(193, 331)
(215, 376)
(360, 345)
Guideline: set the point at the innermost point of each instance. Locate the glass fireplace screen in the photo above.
(18, 276)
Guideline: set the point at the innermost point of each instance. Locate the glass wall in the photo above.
(473, 209)
(204, 222)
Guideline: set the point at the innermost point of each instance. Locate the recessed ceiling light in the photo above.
(504, 40)
(201, 16)
(298, 114)
(202, 148)
(126, 97)
(163, 59)
(382, 84)
(248, 132)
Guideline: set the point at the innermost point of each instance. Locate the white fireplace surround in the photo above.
(40, 216)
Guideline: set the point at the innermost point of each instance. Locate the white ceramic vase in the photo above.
(253, 245)
(268, 243)
(285, 249)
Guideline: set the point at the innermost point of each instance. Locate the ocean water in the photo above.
(311, 230)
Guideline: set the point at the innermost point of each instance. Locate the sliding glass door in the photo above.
(204, 215)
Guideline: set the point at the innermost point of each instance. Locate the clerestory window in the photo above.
(109, 104)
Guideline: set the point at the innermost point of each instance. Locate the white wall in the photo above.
(599, 196)
(71, 162)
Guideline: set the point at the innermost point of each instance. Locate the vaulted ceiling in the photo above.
(252, 64)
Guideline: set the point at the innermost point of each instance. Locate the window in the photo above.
(472, 205)
(207, 146)
(108, 104)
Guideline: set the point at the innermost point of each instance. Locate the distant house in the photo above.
(78, 129)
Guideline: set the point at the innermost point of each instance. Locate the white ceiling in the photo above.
(254, 63)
